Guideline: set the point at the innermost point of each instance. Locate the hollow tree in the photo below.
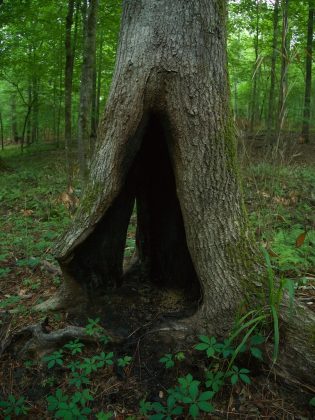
(167, 142)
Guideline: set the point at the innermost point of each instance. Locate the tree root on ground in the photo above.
(37, 340)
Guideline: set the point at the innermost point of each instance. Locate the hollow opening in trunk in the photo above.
(160, 235)
(149, 205)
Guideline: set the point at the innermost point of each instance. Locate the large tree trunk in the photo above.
(308, 76)
(167, 141)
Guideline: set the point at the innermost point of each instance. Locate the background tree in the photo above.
(308, 72)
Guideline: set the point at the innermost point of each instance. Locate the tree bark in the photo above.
(86, 85)
(69, 48)
(15, 135)
(271, 107)
(255, 75)
(308, 73)
(167, 141)
(99, 78)
(284, 70)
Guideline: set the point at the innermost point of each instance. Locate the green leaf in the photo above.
(245, 378)
(257, 339)
(204, 396)
(205, 339)
(201, 346)
(234, 379)
(205, 406)
(256, 353)
(194, 410)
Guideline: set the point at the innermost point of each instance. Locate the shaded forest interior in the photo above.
(57, 61)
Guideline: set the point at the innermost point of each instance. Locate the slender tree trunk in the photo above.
(28, 116)
(15, 135)
(35, 114)
(285, 45)
(308, 76)
(255, 75)
(271, 105)
(68, 86)
(86, 86)
(99, 78)
(167, 141)
(93, 110)
(1, 132)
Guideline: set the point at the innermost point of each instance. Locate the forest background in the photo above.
(56, 65)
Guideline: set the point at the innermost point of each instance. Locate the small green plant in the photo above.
(9, 301)
(312, 402)
(255, 341)
(78, 379)
(237, 374)
(180, 356)
(166, 412)
(104, 416)
(215, 380)
(104, 339)
(168, 361)
(189, 394)
(4, 271)
(93, 327)
(54, 359)
(104, 359)
(124, 361)
(67, 407)
(74, 365)
(209, 345)
(13, 406)
(145, 407)
(74, 347)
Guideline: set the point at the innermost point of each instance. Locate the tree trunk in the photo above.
(255, 75)
(167, 141)
(15, 135)
(99, 79)
(35, 113)
(93, 109)
(86, 86)
(308, 76)
(1, 132)
(271, 107)
(27, 119)
(68, 86)
(284, 70)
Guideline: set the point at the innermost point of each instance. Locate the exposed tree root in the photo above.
(36, 340)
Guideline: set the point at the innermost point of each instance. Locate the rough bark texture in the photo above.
(167, 140)
(308, 76)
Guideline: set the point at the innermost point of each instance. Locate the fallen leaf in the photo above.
(300, 240)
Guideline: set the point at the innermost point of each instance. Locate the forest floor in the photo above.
(36, 208)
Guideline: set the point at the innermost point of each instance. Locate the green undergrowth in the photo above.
(71, 375)
(36, 208)
(281, 204)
